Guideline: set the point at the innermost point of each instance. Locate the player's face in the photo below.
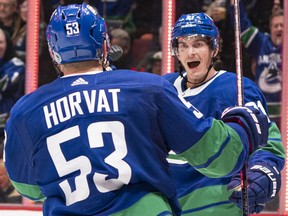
(2, 44)
(195, 55)
(276, 29)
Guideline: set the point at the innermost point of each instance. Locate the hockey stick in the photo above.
(240, 98)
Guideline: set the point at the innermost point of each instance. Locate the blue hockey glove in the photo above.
(264, 183)
(252, 120)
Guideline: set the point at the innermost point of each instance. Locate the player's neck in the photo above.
(193, 83)
(81, 67)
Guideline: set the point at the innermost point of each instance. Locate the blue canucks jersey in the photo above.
(211, 98)
(96, 144)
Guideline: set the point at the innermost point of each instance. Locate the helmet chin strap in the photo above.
(59, 72)
(105, 62)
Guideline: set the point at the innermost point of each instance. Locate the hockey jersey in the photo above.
(96, 144)
(200, 195)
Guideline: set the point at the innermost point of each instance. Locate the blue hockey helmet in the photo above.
(76, 33)
(195, 24)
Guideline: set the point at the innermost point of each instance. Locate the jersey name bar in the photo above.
(66, 107)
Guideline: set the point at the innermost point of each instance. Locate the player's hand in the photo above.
(264, 183)
(252, 120)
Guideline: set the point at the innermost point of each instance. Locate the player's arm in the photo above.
(18, 165)
(206, 144)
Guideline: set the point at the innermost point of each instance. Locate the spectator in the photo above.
(20, 33)
(81, 143)
(265, 49)
(122, 38)
(145, 64)
(8, 15)
(259, 12)
(12, 79)
(217, 10)
(155, 63)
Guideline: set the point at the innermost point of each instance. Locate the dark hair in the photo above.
(10, 51)
(67, 2)
(19, 2)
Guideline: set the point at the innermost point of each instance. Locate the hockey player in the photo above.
(95, 142)
(196, 45)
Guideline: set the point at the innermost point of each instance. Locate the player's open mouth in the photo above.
(193, 64)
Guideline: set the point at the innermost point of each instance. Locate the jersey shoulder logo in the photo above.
(79, 81)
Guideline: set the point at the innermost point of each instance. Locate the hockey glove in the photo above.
(264, 183)
(252, 120)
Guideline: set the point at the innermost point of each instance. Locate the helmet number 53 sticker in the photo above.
(72, 28)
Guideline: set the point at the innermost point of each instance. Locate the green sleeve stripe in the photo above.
(210, 145)
(219, 210)
(248, 35)
(274, 144)
(216, 205)
(216, 194)
(31, 191)
(151, 204)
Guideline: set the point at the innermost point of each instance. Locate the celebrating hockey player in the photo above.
(196, 45)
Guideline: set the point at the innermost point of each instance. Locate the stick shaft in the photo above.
(240, 98)
(238, 53)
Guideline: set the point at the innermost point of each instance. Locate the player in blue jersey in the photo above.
(196, 45)
(265, 48)
(95, 142)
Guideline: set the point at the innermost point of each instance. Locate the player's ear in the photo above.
(215, 52)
